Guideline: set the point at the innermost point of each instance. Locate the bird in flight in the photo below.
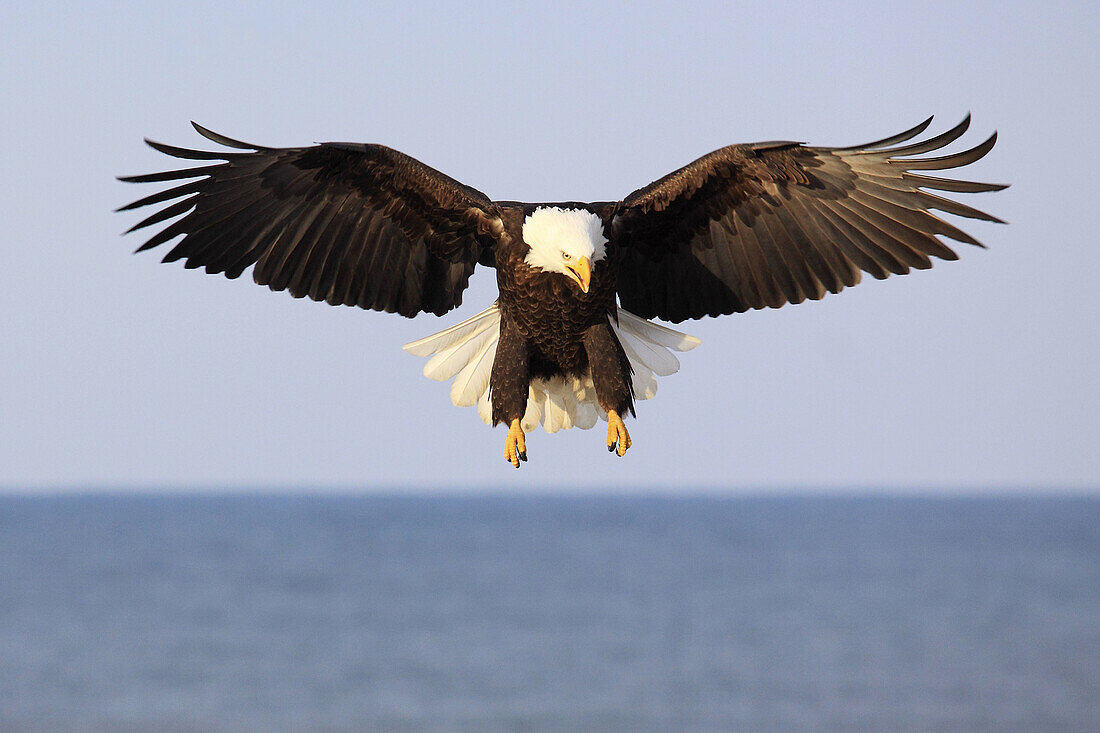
(569, 339)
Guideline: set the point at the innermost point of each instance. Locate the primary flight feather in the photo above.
(567, 341)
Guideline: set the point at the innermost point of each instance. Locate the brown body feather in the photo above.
(563, 330)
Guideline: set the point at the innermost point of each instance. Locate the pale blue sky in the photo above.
(120, 372)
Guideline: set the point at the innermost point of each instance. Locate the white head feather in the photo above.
(558, 237)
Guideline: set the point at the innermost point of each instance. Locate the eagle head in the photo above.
(565, 241)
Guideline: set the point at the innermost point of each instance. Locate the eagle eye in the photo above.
(565, 255)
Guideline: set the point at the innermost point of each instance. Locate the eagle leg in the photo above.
(515, 445)
(618, 439)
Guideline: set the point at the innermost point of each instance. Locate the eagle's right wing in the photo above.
(345, 223)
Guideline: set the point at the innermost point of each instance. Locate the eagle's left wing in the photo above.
(765, 224)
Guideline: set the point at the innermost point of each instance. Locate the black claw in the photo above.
(611, 448)
(523, 456)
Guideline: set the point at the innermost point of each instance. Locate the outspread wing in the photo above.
(345, 223)
(764, 224)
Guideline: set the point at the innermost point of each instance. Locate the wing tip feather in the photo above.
(900, 137)
(224, 140)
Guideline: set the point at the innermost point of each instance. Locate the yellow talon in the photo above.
(515, 445)
(618, 439)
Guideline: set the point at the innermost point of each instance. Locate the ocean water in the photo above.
(558, 614)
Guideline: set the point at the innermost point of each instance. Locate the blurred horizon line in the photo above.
(502, 491)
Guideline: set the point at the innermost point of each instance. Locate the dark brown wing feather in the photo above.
(345, 223)
(761, 225)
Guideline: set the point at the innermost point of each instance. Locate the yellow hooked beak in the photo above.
(581, 272)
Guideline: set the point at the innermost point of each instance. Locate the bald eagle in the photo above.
(568, 340)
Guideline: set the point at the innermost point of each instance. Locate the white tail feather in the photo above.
(473, 380)
(531, 418)
(655, 357)
(466, 352)
(657, 333)
(488, 318)
(451, 360)
(645, 384)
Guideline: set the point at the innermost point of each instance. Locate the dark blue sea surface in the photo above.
(572, 614)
